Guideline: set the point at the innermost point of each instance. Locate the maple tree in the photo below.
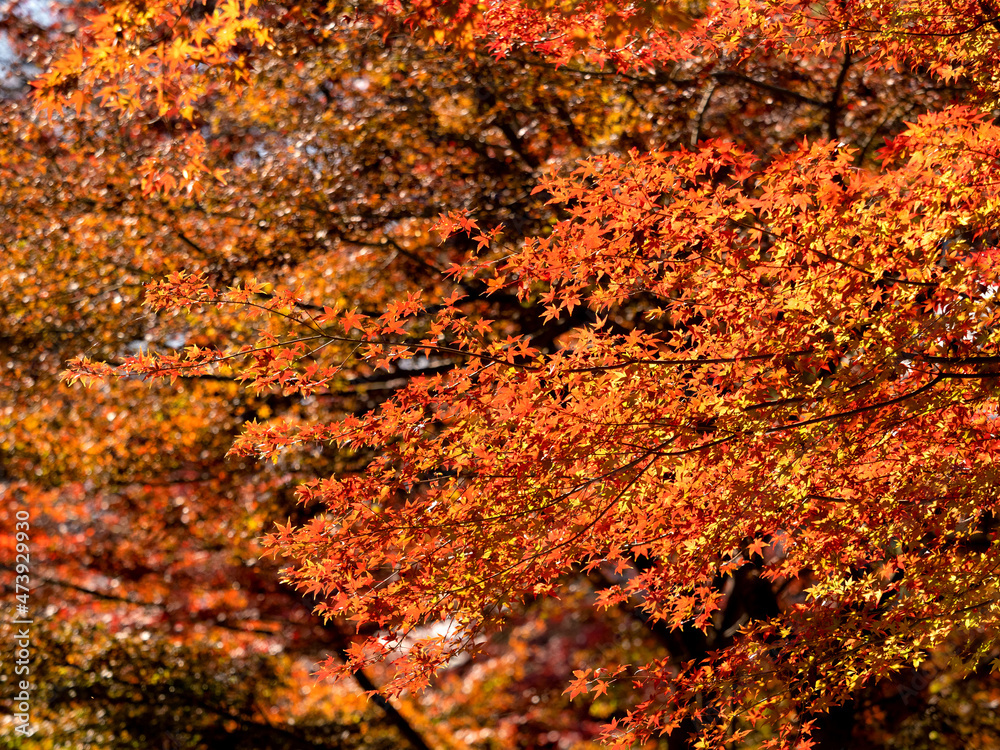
(737, 393)
(148, 530)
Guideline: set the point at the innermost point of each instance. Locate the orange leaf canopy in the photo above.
(782, 361)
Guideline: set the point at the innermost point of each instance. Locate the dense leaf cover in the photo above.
(658, 338)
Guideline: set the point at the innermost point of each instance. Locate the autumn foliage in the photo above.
(668, 328)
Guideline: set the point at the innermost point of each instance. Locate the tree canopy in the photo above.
(645, 353)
